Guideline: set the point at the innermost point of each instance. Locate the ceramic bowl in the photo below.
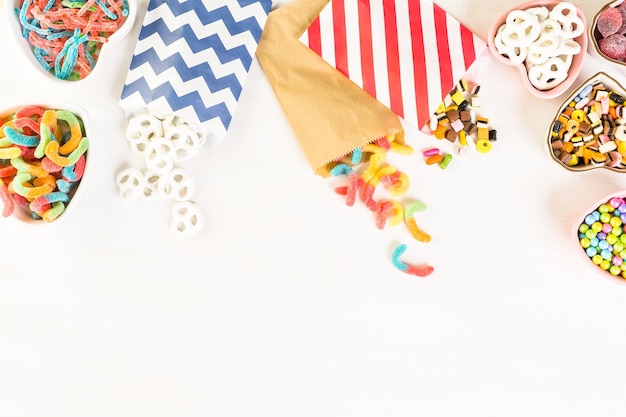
(576, 60)
(595, 37)
(22, 213)
(594, 161)
(12, 8)
(590, 216)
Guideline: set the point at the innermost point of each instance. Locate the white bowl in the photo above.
(23, 214)
(15, 28)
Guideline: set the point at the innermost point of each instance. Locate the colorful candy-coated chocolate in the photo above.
(601, 236)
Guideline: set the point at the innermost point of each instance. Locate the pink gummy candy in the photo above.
(622, 9)
(609, 21)
(614, 46)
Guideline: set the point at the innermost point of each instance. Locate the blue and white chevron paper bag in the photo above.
(192, 59)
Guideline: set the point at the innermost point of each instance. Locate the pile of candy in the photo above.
(42, 160)
(590, 131)
(162, 141)
(609, 32)
(602, 236)
(455, 119)
(366, 169)
(66, 36)
(543, 40)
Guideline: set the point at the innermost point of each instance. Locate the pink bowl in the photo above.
(577, 60)
(581, 251)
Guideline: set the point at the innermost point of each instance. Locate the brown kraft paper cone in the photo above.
(329, 114)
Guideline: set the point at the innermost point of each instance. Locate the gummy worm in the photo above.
(413, 207)
(340, 169)
(372, 168)
(7, 200)
(398, 213)
(416, 232)
(375, 150)
(357, 154)
(10, 152)
(52, 152)
(40, 202)
(381, 217)
(74, 172)
(401, 186)
(76, 133)
(420, 271)
(34, 169)
(29, 192)
(55, 211)
(47, 129)
(401, 149)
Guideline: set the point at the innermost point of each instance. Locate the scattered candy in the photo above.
(41, 183)
(66, 37)
(591, 129)
(455, 120)
(601, 235)
(162, 141)
(366, 172)
(417, 270)
(543, 40)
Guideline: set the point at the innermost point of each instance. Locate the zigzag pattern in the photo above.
(192, 58)
(207, 16)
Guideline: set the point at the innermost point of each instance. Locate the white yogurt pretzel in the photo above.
(130, 183)
(187, 220)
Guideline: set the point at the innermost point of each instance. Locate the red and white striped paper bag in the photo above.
(408, 54)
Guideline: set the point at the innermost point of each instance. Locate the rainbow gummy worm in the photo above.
(417, 270)
(40, 183)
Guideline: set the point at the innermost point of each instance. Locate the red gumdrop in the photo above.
(609, 21)
(614, 46)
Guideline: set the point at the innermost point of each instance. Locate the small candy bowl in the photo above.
(616, 42)
(41, 184)
(599, 237)
(579, 138)
(546, 40)
(74, 58)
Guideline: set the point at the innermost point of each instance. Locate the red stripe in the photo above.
(467, 39)
(443, 48)
(419, 63)
(341, 48)
(315, 37)
(367, 55)
(393, 57)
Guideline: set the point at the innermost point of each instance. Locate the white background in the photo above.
(287, 303)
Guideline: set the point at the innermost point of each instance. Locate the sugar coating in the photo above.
(609, 32)
(614, 46)
(609, 21)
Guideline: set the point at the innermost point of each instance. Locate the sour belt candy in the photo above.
(66, 36)
(42, 184)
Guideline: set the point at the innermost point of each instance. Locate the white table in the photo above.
(287, 303)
